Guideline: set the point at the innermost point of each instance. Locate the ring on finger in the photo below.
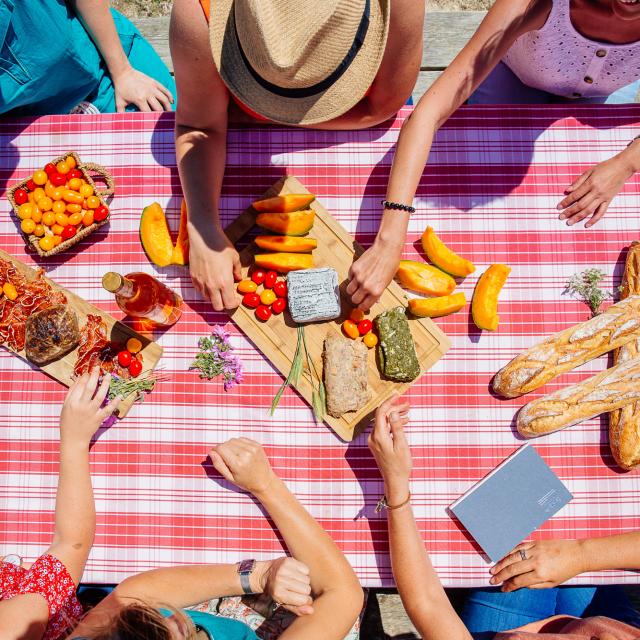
(523, 554)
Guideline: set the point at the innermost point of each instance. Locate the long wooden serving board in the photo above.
(276, 338)
(62, 369)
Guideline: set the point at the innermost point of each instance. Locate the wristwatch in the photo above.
(245, 569)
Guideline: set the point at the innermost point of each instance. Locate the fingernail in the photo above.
(558, 206)
(561, 216)
(569, 223)
(492, 581)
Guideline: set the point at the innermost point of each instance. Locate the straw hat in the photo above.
(298, 61)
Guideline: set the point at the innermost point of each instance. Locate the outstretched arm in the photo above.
(131, 86)
(422, 594)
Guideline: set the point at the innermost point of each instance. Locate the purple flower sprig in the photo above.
(216, 359)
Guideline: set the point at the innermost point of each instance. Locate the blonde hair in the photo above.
(138, 621)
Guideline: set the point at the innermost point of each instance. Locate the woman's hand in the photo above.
(591, 194)
(243, 462)
(391, 449)
(215, 266)
(548, 563)
(286, 581)
(134, 87)
(82, 411)
(372, 272)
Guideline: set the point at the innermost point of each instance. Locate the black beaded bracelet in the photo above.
(397, 206)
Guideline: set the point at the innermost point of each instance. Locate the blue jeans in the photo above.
(488, 611)
(502, 86)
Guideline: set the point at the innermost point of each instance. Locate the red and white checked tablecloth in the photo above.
(494, 177)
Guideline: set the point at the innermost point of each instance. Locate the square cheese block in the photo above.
(313, 295)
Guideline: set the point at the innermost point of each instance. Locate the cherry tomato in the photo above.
(251, 300)
(124, 358)
(267, 297)
(370, 340)
(100, 213)
(38, 230)
(350, 329)
(74, 174)
(364, 326)
(135, 368)
(357, 315)
(258, 276)
(87, 218)
(39, 177)
(263, 313)
(28, 225)
(57, 179)
(46, 243)
(93, 202)
(49, 168)
(247, 286)
(134, 345)
(71, 161)
(74, 183)
(280, 289)
(68, 232)
(31, 185)
(270, 279)
(279, 305)
(86, 191)
(63, 167)
(20, 196)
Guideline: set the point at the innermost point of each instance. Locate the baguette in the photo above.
(624, 424)
(569, 349)
(608, 390)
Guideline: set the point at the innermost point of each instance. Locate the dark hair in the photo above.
(137, 621)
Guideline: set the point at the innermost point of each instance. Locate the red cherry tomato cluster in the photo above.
(130, 361)
(271, 300)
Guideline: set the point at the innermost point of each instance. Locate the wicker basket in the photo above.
(86, 168)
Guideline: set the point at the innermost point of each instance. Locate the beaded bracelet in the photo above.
(397, 206)
(383, 504)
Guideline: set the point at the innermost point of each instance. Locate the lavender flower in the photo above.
(216, 358)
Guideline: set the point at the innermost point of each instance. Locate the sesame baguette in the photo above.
(608, 390)
(624, 424)
(569, 349)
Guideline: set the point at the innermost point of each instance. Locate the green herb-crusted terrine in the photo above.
(397, 353)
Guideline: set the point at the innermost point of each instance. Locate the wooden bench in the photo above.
(445, 33)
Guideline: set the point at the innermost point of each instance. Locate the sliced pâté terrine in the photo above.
(396, 353)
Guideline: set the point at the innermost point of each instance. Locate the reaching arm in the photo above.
(201, 138)
(505, 21)
(422, 594)
(549, 563)
(131, 86)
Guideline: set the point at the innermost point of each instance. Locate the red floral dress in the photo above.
(48, 577)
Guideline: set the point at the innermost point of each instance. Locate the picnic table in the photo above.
(494, 177)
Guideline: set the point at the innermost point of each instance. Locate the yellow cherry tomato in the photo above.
(74, 208)
(49, 189)
(71, 162)
(87, 218)
(9, 290)
(93, 202)
(27, 226)
(75, 218)
(26, 210)
(370, 340)
(38, 193)
(350, 329)
(36, 216)
(38, 230)
(40, 177)
(86, 190)
(49, 218)
(62, 167)
(46, 243)
(357, 315)
(56, 240)
(59, 206)
(134, 345)
(45, 204)
(30, 198)
(72, 197)
(57, 229)
(57, 194)
(268, 297)
(75, 184)
(62, 219)
(247, 286)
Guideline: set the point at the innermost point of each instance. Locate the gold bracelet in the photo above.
(383, 504)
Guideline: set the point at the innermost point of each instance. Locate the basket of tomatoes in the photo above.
(60, 204)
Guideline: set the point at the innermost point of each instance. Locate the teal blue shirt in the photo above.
(218, 627)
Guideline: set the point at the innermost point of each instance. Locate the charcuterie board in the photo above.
(276, 338)
(118, 333)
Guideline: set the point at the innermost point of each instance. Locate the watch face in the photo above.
(246, 566)
(12, 558)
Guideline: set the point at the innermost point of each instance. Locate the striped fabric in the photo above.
(493, 180)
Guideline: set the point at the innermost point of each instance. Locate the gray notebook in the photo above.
(517, 497)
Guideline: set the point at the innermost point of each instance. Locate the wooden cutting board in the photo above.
(62, 369)
(276, 338)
